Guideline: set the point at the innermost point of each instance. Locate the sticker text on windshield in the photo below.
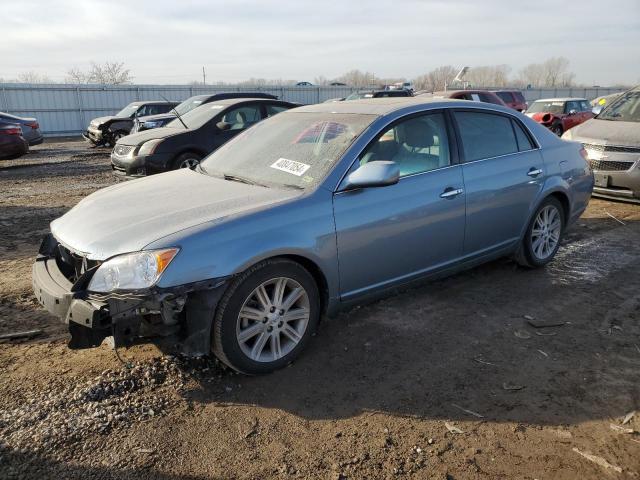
(290, 166)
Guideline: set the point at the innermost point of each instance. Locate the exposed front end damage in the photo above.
(179, 317)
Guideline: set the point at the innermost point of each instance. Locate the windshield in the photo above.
(197, 117)
(189, 104)
(545, 106)
(128, 111)
(359, 95)
(624, 109)
(289, 149)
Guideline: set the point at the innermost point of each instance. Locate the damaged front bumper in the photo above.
(180, 316)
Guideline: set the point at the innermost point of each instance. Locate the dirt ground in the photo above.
(445, 381)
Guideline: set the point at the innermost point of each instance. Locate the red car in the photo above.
(513, 98)
(474, 95)
(12, 143)
(560, 114)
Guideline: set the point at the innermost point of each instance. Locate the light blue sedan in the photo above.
(306, 213)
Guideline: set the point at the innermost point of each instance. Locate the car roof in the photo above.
(383, 106)
(233, 101)
(147, 102)
(562, 99)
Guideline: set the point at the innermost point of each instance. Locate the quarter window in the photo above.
(274, 109)
(417, 145)
(524, 142)
(485, 135)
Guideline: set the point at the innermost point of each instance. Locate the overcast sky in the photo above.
(168, 41)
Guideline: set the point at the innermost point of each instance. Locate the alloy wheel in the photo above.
(189, 163)
(545, 234)
(273, 319)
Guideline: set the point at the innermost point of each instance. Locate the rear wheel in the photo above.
(557, 129)
(115, 137)
(266, 317)
(542, 239)
(187, 160)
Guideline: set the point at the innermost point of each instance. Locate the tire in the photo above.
(557, 129)
(249, 345)
(114, 137)
(540, 244)
(186, 160)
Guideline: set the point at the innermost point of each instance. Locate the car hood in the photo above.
(139, 138)
(159, 116)
(608, 132)
(110, 118)
(129, 216)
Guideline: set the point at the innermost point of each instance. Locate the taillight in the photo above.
(12, 131)
(33, 125)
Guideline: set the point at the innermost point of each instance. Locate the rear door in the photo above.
(503, 176)
(574, 115)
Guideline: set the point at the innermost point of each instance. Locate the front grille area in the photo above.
(610, 165)
(611, 148)
(122, 150)
(71, 264)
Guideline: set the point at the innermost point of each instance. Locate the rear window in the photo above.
(505, 96)
(519, 97)
(485, 135)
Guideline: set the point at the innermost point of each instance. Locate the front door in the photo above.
(387, 235)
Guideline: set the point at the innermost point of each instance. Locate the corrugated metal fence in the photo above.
(68, 109)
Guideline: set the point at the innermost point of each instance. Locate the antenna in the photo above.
(176, 112)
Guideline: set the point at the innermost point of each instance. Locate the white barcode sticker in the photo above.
(291, 166)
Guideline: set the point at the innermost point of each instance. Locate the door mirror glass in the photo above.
(378, 173)
(223, 126)
(596, 110)
(573, 111)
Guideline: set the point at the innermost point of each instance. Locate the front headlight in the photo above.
(568, 135)
(151, 124)
(132, 271)
(149, 147)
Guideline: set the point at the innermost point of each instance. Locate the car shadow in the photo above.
(467, 347)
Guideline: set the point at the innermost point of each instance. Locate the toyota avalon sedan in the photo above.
(190, 137)
(306, 213)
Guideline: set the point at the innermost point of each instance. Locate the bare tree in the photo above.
(321, 80)
(489, 76)
(358, 78)
(551, 73)
(33, 77)
(107, 73)
(436, 79)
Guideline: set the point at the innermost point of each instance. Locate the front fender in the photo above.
(301, 227)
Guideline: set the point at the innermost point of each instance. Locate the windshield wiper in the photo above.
(236, 178)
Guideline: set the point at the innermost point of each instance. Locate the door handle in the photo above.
(451, 192)
(534, 172)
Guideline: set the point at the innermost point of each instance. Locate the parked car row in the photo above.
(305, 212)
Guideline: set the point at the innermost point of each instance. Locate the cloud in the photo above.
(169, 41)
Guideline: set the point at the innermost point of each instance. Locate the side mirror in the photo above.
(596, 110)
(379, 173)
(223, 126)
(573, 112)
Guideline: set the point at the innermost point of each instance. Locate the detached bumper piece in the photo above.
(60, 280)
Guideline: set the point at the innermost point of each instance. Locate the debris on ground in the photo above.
(543, 324)
(522, 334)
(512, 387)
(628, 417)
(19, 335)
(484, 362)
(547, 334)
(598, 460)
(619, 429)
(470, 412)
(543, 353)
(452, 428)
(615, 218)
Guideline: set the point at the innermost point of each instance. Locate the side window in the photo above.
(417, 145)
(571, 106)
(585, 106)
(524, 142)
(488, 99)
(142, 111)
(242, 117)
(505, 96)
(275, 109)
(485, 135)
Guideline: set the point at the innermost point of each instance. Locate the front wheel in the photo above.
(187, 160)
(542, 239)
(266, 317)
